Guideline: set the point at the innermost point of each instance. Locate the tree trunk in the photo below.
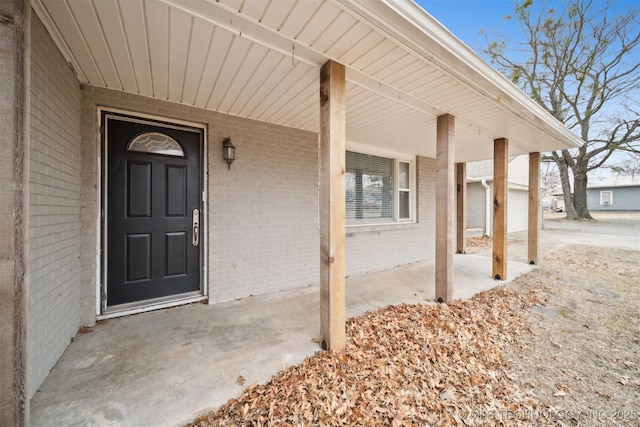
(566, 189)
(580, 192)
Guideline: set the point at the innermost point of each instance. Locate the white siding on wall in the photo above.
(476, 201)
(518, 198)
(517, 210)
(519, 170)
(54, 291)
(518, 214)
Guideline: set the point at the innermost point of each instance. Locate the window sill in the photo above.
(353, 229)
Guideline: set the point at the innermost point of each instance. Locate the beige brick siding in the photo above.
(263, 229)
(262, 215)
(54, 291)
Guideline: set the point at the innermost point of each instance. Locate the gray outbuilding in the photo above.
(616, 193)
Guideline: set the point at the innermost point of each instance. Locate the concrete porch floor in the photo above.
(166, 367)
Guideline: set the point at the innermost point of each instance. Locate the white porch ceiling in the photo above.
(261, 59)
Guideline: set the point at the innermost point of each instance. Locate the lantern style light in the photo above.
(228, 151)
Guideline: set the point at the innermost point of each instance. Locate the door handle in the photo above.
(196, 227)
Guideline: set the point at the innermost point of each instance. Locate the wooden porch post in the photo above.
(500, 191)
(461, 213)
(332, 205)
(534, 206)
(445, 193)
(15, 31)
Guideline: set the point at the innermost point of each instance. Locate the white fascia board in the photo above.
(430, 40)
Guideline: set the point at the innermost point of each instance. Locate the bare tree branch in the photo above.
(583, 67)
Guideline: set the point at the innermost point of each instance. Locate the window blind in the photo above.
(369, 187)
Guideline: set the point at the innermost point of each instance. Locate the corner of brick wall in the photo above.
(54, 288)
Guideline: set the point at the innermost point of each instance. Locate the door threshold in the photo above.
(150, 305)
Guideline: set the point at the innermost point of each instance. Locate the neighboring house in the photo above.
(480, 195)
(557, 202)
(117, 198)
(615, 193)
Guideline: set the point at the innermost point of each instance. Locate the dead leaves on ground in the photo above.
(402, 365)
(479, 242)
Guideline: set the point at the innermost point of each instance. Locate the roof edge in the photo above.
(458, 60)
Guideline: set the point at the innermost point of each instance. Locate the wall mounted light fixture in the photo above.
(228, 151)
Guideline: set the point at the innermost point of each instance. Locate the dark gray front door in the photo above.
(153, 199)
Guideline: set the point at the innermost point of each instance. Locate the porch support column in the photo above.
(500, 191)
(332, 205)
(534, 206)
(15, 30)
(445, 194)
(461, 213)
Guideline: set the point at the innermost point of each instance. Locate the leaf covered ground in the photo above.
(476, 362)
(581, 361)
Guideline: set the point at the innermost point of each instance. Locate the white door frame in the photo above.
(101, 258)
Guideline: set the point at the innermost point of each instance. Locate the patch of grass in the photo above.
(566, 313)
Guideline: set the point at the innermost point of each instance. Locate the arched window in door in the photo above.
(155, 143)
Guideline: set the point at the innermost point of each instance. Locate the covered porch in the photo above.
(296, 85)
(168, 366)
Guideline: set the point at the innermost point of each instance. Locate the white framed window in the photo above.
(606, 198)
(379, 187)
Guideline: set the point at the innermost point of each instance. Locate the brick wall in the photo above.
(262, 214)
(54, 291)
(263, 229)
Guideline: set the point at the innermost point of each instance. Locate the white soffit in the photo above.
(260, 59)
